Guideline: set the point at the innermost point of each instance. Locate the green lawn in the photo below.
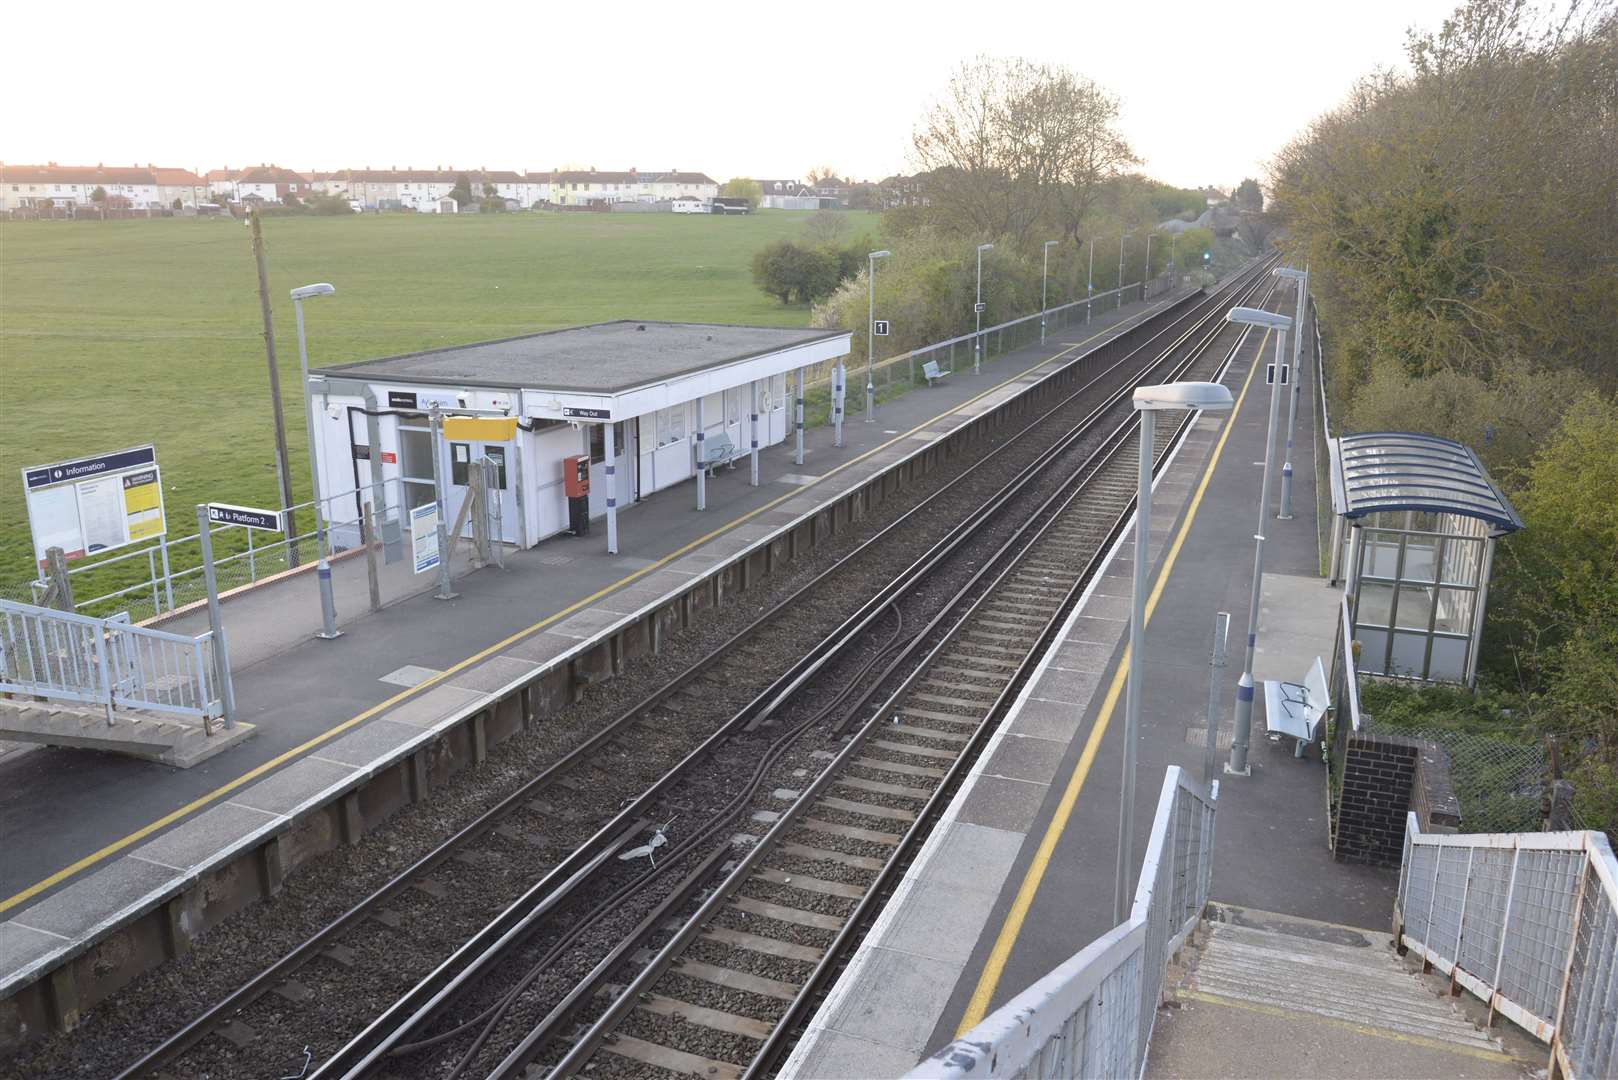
(118, 333)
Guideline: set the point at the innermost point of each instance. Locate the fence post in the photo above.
(221, 653)
(59, 593)
(371, 536)
(1505, 930)
(151, 570)
(104, 672)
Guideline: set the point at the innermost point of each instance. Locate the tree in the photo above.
(489, 190)
(99, 195)
(462, 191)
(1012, 143)
(821, 175)
(177, 204)
(825, 228)
(1248, 196)
(786, 270)
(740, 187)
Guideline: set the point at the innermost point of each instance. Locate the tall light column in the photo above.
(328, 606)
(870, 338)
(1300, 278)
(1244, 689)
(1090, 283)
(977, 314)
(1146, 271)
(1044, 289)
(1207, 396)
(1122, 237)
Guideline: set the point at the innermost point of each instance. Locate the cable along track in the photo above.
(721, 995)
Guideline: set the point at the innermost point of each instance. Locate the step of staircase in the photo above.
(1267, 994)
(169, 740)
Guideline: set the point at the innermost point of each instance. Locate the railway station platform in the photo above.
(94, 841)
(1019, 874)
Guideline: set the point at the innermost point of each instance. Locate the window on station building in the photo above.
(598, 442)
(671, 425)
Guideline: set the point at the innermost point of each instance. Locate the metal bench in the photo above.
(717, 450)
(1297, 709)
(931, 370)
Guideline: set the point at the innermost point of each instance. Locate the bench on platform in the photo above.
(931, 370)
(717, 450)
(1297, 709)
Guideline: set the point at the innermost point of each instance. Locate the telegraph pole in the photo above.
(283, 470)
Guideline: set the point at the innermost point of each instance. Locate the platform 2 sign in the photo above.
(93, 504)
(248, 517)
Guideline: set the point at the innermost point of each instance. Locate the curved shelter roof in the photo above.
(1380, 471)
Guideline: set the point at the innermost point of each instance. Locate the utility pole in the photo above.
(283, 469)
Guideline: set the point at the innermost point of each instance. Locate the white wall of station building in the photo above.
(655, 441)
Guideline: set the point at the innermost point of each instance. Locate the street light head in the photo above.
(985, 247)
(1052, 243)
(1207, 396)
(1289, 272)
(318, 289)
(880, 254)
(1269, 320)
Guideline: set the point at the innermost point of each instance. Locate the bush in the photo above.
(789, 271)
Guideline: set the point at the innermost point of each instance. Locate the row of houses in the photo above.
(141, 187)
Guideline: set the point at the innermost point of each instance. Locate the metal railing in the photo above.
(61, 656)
(1527, 922)
(1093, 1015)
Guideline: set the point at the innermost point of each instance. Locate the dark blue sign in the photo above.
(65, 472)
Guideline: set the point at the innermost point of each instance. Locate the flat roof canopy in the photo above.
(1379, 471)
(604, 358)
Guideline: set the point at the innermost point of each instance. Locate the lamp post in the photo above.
(1044, 287)
(328, 608)
(870, 339)
(1146, 271)
(1244, 689)
(977, 314)
(1209, 397)
(1301, 278)
(1121, 238)
(1090, 283)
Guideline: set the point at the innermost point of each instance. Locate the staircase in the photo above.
(1271, 995)
(168, 740)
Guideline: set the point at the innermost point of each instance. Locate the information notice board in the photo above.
(95, 504)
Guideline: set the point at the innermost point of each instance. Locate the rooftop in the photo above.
(604, 358)
(1378, 471)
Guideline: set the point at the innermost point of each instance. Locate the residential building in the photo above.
(262, 183)
(182, 184)
(580, 187)
(69, 186)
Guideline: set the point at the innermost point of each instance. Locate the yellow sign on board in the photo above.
(143, 504)
(480, 428)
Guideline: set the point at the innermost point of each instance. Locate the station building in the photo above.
(631, 396)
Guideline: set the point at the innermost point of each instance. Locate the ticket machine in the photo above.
(576, 485)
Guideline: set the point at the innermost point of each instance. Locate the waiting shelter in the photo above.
(634, 399)
(1423, 517)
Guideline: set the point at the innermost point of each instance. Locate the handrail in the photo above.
(1093, 1015)
(110, 663)
(1527, 922)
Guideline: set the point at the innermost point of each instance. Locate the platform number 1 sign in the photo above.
(879, 327)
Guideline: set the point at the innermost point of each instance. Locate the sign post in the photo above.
(221, 654)
(436, 416)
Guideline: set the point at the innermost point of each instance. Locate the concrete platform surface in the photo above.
(95, 837)
(1020, 873)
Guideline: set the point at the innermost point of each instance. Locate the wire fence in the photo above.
(1499, 783)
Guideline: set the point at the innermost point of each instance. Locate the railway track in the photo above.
(829, 859)
(571, 820)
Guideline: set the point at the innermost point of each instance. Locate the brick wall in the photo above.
(1385, 777)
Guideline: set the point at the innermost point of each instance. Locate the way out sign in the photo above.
(248, 517)
(1269, 374)
(879, 327)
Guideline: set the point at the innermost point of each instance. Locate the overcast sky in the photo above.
(759, 89)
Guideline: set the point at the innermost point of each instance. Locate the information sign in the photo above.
(424, 537)
(586, 414)
(980, 307)
(94, 504)
(880, 328)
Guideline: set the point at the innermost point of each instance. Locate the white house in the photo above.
(70, 186)
(580, 187)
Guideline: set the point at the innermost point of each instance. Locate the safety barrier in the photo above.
(107, 662)
(1093, 1016)
(1528, 922)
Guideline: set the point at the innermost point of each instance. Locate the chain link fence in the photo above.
(1499, 783)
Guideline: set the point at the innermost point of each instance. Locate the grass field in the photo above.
(118, 333)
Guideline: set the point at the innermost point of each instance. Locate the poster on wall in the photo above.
(95, 504)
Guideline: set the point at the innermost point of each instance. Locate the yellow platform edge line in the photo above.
(994, 967)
